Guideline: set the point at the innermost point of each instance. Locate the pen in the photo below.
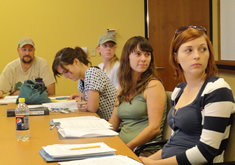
(81, 101)
(52, 127)
(79, 148)
(62, 98)
(55, 124)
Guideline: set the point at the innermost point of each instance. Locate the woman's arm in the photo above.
(92, 104)
(115, 120)
(75, 96)
(156, 98)
(51, 89)
(167, 161)
(93, 101)
(156, 156)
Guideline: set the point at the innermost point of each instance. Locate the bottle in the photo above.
(22, 120)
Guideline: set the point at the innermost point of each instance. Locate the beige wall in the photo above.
(229, 77)
(54, 24)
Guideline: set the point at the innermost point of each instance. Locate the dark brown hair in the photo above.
(124, 73)
(66, 56)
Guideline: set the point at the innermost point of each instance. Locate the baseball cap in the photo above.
(105, 38)
(25, 41)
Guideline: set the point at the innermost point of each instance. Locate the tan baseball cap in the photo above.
(105, 38)
(25, 41)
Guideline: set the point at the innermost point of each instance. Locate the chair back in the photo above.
(229, 154)
(166, 128)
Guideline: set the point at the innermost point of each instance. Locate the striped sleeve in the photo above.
(217, 103)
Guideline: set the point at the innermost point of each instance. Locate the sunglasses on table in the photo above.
(183, 28)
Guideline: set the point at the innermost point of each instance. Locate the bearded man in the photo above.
(26, 67)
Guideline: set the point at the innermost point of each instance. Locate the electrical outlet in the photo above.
(92, 50)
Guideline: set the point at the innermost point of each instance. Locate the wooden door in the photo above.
(165, 16)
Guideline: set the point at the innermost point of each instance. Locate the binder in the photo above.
(32, 111)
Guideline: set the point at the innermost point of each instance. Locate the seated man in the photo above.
(27, 67)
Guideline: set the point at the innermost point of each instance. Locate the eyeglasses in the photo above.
(183, 28)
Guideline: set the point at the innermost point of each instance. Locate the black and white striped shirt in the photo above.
(200, 130)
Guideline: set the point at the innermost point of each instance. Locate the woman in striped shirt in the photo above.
(202, 105)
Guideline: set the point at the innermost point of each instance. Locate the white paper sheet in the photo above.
(60, 105)
(107, 160)
(9, 99)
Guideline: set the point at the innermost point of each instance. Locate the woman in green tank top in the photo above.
(141, 100)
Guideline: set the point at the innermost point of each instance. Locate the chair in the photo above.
(165, 134)
(229, 154)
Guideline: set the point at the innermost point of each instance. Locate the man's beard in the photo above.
(27, 62)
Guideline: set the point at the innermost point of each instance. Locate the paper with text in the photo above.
(87, 126)
(65, 104)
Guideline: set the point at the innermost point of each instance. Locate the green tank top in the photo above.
(134, 118)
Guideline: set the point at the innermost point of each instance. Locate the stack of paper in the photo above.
(9, 99)
(87, 126)
(107, 160)
(60, 152)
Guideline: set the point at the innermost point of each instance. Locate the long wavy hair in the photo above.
(66, 56)
(186, 36)
(124, 73)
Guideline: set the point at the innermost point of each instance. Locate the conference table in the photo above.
(14, 152)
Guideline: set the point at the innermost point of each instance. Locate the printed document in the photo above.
(87, 126)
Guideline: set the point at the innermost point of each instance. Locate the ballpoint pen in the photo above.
(55, 124)
(52, 127)
(81, 102)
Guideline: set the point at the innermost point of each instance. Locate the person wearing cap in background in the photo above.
(106, 48)
(26, 67)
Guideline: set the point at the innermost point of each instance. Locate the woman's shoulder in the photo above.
(93, 68)
(154, 82)
(95, 71)
(214, 82)
(116, 65)
(216, 85)
(101, 65)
